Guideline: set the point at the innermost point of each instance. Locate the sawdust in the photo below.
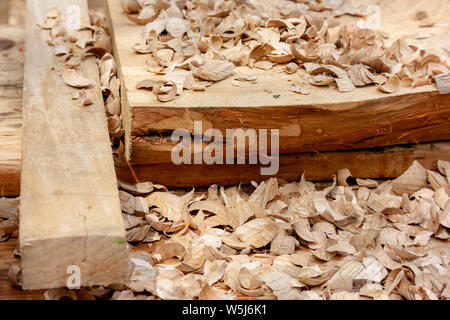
(209, 38)
(283, 240)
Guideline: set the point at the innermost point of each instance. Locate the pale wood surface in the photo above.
(11, 78)
(324, 120)
(16, 12)
(69, 210)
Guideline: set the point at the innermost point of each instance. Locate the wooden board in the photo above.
(69, 210)
(325, 120)
(379, 163)
(11, 78)
(4, 11)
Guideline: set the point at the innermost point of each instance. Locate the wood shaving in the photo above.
(74, 79)
(443, 83)
(392, 85)
(360, 75)
(214, 70)
(377, 241)
(412, 180)
(60, 294)
(162, 94)
(14, 275)
(338, 246)
(257, 233)
(210, 40)
(299, 88)
(61, 50)
(291, 67)
(75, 48)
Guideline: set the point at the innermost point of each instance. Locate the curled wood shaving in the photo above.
(392, 85)
(139, 188)
(337, 243)
(263, 35)
(161, 93)
(360, 75)
(283, 245)
(412, 180)
(443, 83)
(291, 67)
(145, 16)
(131, 6)
(60, 294)
(342, 176)
(8, 228)
(257, 233)
(214, 70)
(14, 275)
(73, 79)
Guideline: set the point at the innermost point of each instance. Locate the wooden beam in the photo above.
(69, 209)
(325, 120)
(379, 163)
(11, 79)
(4, 11)
(405, 119)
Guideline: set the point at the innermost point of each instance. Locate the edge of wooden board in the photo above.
(414, 118)
(379, 163)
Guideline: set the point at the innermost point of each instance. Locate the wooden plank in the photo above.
(11, 78)
(4, 12)
(380, 163)
(325, 120)
(373, 164)
(69, 210)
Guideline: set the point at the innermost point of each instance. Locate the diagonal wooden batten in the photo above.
(69, 210)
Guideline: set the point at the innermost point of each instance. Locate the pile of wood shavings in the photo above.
(369, 240)
(72, 47)
(196, 43)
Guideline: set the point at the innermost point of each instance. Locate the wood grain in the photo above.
(325, 120)
(69, 210)
(4, 9)
(411, 118)
(11, 78)
(379, 163)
